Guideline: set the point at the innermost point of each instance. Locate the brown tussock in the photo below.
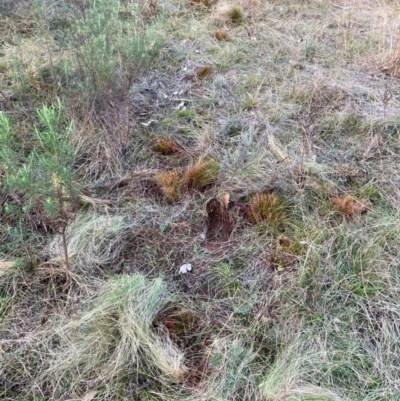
(222, 35)
(170, 184)
(268, 209)
(166, 146)
(228, 14)
(204, 71)
(202, 173)
(348, 205)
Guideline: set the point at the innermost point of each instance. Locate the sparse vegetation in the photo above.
(256, 143)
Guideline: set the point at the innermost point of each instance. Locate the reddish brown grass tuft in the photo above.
(202, 173)
(204, 71)
(221, 35)
(347, 205)
(267, 209)
(170, 184)
(166, 146)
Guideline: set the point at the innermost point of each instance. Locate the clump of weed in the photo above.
(186, 114)
(170, 184)
(204, 172)
(250, 102)
(120, 323)
(231, 363)
(348, 205)
(166, 146)
(268, 209)
(94, 240)
(221, 35)
(31, 67)
(204, 71)
(231, 14)
(225, 280)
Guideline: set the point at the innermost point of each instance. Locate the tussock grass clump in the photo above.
(222, 34)
(170, 184)
(268, 209)
(95, 240)
(232, 376)
(204, 71)
(230, 14)
(348, 205)
(114, 339)
(286, 377)
(204, 172)
(166, 146)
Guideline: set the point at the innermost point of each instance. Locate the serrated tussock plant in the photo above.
(202, 173)
(268, 209)
(170, 184)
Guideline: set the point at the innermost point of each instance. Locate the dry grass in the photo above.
(392, 67)
(268, 209)
(221, 35)
(229, 14)
(205, 3)
(202, 173)
(166, 146)
(204, 71)
(300, 304)
(347, 205)
(170, 183)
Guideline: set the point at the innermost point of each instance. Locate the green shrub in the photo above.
(111, 51)
(42, 182)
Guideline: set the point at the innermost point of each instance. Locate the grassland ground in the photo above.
(258, 142)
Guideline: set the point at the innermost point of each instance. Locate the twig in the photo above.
(343, 8)
(5, 97)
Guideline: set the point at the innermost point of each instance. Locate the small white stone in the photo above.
(187, 267)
